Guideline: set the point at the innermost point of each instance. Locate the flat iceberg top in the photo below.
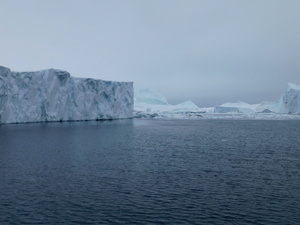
(294, 86)
(54, 95)
(240, 105)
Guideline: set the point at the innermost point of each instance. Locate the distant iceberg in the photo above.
(186, 106)
(152, 104)
(243, 107)
(226, 109)
(288, 103)
(150, 97)
(53, 95)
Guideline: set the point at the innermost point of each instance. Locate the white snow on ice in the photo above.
(294, 86)
(156, 106)
(53, 95)
(289, 101)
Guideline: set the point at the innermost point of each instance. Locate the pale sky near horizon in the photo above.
(209, 52)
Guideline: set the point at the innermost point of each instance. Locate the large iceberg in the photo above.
(53, 95)
(289, 102)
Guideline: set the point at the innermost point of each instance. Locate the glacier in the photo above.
(54, 95)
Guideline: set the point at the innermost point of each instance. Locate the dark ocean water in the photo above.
(150, 172)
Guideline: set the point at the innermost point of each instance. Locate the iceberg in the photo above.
(226, 109)
(186, 106)
(54, 95)
(289, 101)
(151, 97)
(243, 107)
(151, 104)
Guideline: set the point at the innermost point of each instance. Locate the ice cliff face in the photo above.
(289, 102)
(53, 95)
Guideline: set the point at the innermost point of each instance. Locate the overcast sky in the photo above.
(207, 51)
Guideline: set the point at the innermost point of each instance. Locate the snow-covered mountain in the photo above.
(53, 95)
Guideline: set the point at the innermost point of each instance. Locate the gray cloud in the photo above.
(206, 51)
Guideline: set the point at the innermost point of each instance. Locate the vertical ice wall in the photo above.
(53, 95)
(289, 102)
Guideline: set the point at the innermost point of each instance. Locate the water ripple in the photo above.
(153, 172)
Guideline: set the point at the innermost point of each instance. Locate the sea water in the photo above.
(151, 172)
